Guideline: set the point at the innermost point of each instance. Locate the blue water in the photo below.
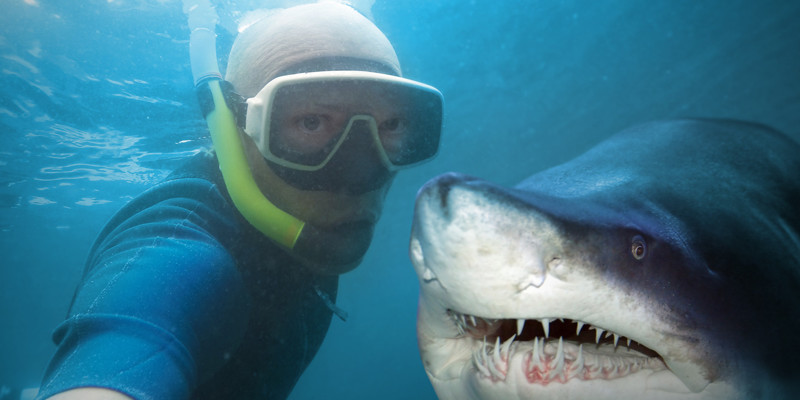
(97, 105)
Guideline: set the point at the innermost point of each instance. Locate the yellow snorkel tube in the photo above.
(270, 220)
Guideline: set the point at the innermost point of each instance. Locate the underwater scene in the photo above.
(97, 104)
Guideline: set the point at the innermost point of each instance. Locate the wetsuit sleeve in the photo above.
(161, 304)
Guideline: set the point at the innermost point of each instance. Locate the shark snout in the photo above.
(462, 228)
(437, 191)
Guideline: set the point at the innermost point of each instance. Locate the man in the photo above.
(183, 295)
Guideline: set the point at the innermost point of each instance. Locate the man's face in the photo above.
(329, 146)
(351, 216)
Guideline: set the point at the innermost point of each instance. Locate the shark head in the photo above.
(642, 269)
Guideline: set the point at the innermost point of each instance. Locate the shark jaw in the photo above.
(509, 309)
(553, 351)
(472, 357)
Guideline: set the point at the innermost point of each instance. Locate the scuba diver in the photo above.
(220, 282)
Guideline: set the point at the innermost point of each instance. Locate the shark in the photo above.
(664, 263)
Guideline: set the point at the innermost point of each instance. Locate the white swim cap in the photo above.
(271, 46)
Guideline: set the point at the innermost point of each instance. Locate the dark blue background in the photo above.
(96, 105)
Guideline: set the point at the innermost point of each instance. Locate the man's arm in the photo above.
(90, 393)
(160, 304)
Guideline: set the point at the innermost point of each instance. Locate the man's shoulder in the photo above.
(203, 165)
(198, 181)
(191, 197)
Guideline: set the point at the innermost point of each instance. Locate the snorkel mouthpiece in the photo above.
(270, 220)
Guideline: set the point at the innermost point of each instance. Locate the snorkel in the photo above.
(270, 220)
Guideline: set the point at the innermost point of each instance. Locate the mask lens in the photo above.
(303, 129)
(412, 135)
(308, 120)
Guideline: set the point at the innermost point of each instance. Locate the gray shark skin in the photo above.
(662, 264)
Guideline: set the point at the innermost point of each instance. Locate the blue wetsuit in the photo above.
(182, 298)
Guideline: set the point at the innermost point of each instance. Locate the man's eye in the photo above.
(394, 125)
(311, 123)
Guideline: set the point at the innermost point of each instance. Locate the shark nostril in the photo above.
(558, 268)
(535, 279)
(538, 273)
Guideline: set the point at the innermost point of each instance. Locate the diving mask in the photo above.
(300, 121)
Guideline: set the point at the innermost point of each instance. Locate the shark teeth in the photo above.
(549, 360)
(553, 350)
(478, 327)
(560, 361)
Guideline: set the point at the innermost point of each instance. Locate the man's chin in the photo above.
(334, 250)
(329, 269)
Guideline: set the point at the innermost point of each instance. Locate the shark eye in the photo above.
(638, 247)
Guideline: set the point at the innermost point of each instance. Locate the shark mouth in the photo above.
(552, 350)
